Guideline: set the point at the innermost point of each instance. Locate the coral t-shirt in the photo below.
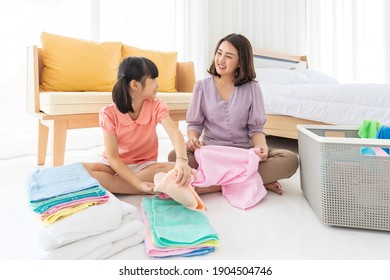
(137, 139)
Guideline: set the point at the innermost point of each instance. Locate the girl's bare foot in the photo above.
(275, 187)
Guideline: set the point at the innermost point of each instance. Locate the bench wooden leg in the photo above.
(43, 135)
(59, 141)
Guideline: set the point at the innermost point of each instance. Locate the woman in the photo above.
(227, 109)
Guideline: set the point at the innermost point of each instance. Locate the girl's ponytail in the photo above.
(121, 95)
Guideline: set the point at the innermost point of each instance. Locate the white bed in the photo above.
(294, 94)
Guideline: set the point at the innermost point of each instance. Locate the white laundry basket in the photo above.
(344, 186)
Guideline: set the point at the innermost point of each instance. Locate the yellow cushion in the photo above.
(78, 65)
(165, 62)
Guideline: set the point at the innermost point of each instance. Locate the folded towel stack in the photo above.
(175, 230)
(59, 194)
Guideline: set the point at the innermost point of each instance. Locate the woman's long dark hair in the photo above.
(131, 68)
(246, 70)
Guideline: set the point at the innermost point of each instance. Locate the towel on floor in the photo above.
(65, 212)
(70, 204)
(172, 224)
(185, 195)
(23, 232)
(54, 181)
(43, 205)
(153, 251)
(91, 221)
(235, 170)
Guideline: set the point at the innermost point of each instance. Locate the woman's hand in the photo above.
(183, 172)
(193, 143)
(262, 152)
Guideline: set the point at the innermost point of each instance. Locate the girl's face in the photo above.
(150, 88)
(226, 59)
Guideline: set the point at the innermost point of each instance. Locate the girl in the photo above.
(128, 164)
(227, 109)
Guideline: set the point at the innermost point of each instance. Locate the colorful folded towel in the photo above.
(54, 181)
(43, 205)
(173, 225)
(153, 251)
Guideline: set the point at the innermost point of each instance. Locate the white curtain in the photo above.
(349, 39)
(278, 25)
(191, 29)
(21, 22)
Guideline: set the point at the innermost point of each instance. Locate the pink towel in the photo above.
(235, 170)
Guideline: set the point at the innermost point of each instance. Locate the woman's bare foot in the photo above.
(275, 187)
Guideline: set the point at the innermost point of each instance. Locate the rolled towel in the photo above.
(185, 195)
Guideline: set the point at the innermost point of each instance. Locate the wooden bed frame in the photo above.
(281, 125)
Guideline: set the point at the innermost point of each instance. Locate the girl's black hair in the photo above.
(246, 70)
(131, 68)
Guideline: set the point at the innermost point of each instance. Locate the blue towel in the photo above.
(173, 225)
(384, 133)
(41, 206)
(54, 181)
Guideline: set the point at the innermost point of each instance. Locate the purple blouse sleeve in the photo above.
(257, 116)
(195, 116)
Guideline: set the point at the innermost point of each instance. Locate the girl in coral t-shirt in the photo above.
(129, 162)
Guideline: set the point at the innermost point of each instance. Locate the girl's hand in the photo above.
(262, 152)
(193, 143)
(183, 172)
(146, 187)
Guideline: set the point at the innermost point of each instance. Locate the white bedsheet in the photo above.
(340, 104)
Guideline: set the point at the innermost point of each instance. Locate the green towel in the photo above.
(369, 129)
(173, 225)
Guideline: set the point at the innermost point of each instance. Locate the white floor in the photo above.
(278, 228)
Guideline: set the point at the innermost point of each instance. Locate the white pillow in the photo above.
(283, 76)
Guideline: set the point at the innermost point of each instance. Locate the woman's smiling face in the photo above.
(226, 59)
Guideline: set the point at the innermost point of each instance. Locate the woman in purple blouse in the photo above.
(227, 109)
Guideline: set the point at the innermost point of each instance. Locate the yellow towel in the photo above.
(50, 219)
